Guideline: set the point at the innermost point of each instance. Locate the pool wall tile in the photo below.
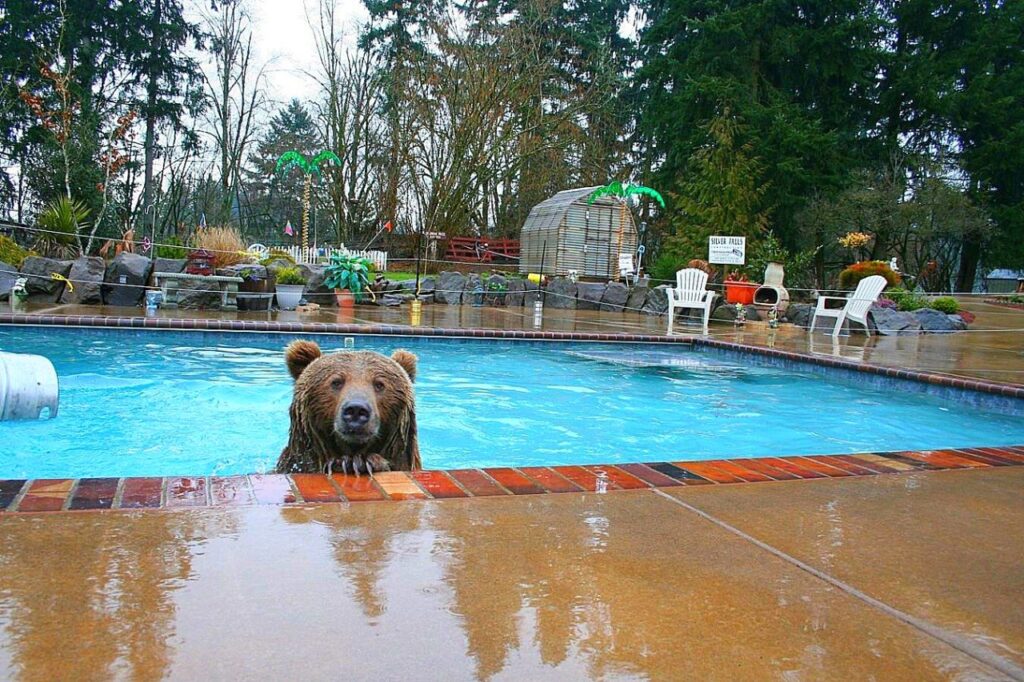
(477, 482)
(230, 491)
(681, 475)
(186, 491)
(51, 495)
(358, 488)
(709, 472)
(94, 493)
(587, 479)
(439, 484)
(514, 481)
(620, 478)
(142, 493)
(398, 485)
(316, 488)
(649, 475)
(550, 480)
(272, 489)
(46, 494)
(9, 491)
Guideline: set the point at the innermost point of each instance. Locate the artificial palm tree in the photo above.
(623, 192)
(291, 159)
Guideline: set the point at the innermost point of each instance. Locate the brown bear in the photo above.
(354, 411)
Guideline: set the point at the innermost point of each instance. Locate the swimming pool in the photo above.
(149, 403)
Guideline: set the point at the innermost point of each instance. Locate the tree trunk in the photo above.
(970, 254)
(152, 92)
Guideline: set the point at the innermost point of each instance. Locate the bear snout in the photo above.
(356, 420)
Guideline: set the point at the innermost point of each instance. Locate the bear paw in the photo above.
(357, 465)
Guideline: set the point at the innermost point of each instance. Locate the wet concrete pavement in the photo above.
(623, 585)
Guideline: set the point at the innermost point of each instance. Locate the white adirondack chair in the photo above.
(690, 292)
(856, 306)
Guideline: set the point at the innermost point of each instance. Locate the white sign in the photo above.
(727, 250)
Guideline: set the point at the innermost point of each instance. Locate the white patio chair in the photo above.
(855, 308)
(690, 292)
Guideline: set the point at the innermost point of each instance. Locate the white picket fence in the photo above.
(322, 254)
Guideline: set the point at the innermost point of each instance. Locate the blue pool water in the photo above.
(173, 403)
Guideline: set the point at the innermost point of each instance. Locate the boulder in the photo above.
(449, 288)
(198, 295)
(125, 279)
(278, 263)
(589, 295)
(560, 293)
(8, 276)
(934, 320)
(637, 296)
(516, 293)
(615, 296)
(316, 290)
(472, 285)
(87, 275)
(891, 322)
(169, 265)
(657, 300)
(799, 314)
(427, 285)
(253, 270)
(392, 300)
(959, 324)
(40, 286)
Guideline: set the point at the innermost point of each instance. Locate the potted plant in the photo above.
(290, 285)
(348, 276)
(739, 288)
(496, 291)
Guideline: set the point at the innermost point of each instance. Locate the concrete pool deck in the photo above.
(909, 576)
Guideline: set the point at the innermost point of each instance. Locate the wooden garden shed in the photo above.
(571, 234)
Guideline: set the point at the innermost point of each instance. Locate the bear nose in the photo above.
(355, 413)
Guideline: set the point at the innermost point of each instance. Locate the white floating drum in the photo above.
(28, 387)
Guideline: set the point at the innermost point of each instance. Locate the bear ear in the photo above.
(299, 354)
(408, 362)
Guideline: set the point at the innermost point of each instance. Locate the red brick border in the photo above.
(50, 495)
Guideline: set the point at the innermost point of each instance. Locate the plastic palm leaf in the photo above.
(647, 191)
(325, 155)
(289, 159)
(612, 189)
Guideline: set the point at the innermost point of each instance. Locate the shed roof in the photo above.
(548, 213)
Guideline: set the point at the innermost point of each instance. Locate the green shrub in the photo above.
(61, 222)
(851, 276)
(289, 276)
(277, 254)
(172, 248)
(13, 254)
(945, 304)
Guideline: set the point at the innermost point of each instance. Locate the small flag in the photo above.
(288, 229)
(147, 244)
(388, 226)
(202, 220)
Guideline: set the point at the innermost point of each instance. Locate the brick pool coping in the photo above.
(66, 494)
(265, 326)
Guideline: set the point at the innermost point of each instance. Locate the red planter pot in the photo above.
(740, 292)
(345, 298)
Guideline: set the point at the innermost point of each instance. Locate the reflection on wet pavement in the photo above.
(623, 585)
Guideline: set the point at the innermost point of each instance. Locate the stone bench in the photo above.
(170, 282)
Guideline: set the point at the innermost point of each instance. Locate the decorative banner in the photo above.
(147, 244)
(727, 250)
(202, 220)
(288, 229)
(388, 226)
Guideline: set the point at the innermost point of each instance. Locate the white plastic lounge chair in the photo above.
(690, 292)
(856, 307)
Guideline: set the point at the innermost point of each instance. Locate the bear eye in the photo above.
(379, 385)
(337, 383)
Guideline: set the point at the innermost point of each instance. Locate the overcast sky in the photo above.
(283, 39)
